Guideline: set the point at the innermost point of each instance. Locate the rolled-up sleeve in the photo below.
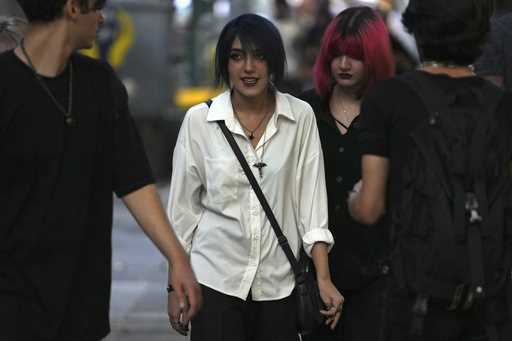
(312, 193)
(184, 207)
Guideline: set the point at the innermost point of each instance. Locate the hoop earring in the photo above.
(271, 84)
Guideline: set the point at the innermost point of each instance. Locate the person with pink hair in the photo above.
(355, 53)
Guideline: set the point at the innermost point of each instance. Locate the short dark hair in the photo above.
(449, 31)
(49, 10)
(255, 33)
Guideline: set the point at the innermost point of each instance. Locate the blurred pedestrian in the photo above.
(246, 278)
(307, 43)
(495, 64)
(436, 145)
(67, 141)
(9, 32)
(355, 54)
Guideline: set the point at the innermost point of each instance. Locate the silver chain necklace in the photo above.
(68, 116)
(244, 128)
(433, 63)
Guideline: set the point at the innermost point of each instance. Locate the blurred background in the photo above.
(163, 52)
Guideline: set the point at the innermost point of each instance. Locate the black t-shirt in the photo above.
(56, 185)
(358, 249)
(393, 109)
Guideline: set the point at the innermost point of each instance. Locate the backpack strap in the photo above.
(7, 109)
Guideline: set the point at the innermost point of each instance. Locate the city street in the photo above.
(138, 305)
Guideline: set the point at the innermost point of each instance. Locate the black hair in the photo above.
(449, 31)
(255, 33)
(49, 10)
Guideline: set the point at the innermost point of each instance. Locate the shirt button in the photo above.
(337, 207)
(339, 179)
(341, 149)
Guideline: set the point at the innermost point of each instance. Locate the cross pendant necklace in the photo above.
(260, 164)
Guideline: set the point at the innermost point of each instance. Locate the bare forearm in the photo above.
(146, 207)
(319, 253)
(367, 201)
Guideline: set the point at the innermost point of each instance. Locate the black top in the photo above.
(392, 110)
(56, 186)
(357, 249)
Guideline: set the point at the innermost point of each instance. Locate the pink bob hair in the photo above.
(358, 32)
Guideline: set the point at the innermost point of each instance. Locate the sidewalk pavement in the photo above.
(139, 300)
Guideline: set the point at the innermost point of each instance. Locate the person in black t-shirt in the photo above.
(449, 37)
(67, 141)
(355, 53)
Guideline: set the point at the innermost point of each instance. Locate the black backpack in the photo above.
(452, 229)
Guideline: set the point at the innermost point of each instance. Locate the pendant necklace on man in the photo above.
(68, 117)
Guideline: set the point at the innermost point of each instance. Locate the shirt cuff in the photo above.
(315, 236)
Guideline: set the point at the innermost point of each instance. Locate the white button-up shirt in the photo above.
(218, 218)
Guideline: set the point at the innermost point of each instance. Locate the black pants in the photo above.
(19, 323)
(226, 318)
(363, 316)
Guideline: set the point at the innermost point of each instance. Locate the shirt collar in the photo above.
(221, 109)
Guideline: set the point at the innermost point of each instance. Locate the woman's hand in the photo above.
(333, 301)
(328, 292)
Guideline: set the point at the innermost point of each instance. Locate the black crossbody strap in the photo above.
(281, 238)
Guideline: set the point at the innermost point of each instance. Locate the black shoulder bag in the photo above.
(309, 302)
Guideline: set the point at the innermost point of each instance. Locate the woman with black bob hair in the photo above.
(246, 279)
(250, 29)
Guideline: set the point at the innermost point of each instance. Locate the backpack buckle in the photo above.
(472, 208)
(419, 311)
